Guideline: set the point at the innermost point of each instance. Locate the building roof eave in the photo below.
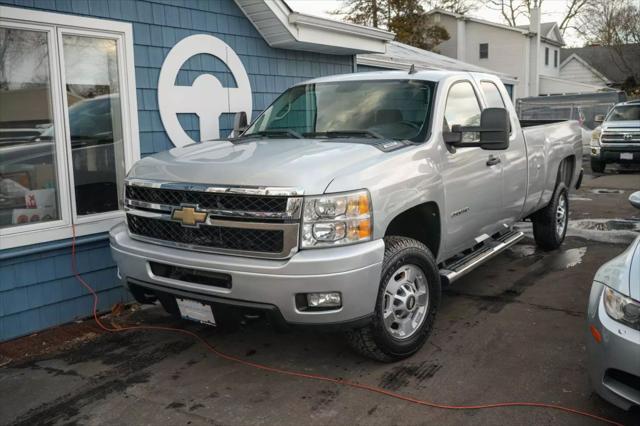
(283, 28)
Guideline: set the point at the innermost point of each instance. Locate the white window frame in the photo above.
(56, 25)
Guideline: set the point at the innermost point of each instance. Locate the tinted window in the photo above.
(462, 106)
(492, 95)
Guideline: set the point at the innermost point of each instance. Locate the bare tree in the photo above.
(374, 13)
(610, 22)
(461, 7)
(614, 24)
(512, 10)
(574, 10)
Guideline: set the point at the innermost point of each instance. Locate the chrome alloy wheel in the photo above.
(561, 216)
(406, 302)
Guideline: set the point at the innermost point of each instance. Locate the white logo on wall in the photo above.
(206, 97)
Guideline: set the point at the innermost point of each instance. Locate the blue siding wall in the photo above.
(38, 291)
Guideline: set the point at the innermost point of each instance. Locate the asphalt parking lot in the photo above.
(512, 330)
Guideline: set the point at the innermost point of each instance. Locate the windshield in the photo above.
(393, 109)
(624, 113)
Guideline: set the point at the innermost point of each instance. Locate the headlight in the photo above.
(336, 219)
(622, 308)
(595, 137)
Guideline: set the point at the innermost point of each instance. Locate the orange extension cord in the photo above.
(361, 386)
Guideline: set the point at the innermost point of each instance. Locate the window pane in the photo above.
(492, 95)
(462, 106)
(28, 177)
(95, 122)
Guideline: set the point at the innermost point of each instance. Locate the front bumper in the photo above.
(612, 153)
(614, 362)
(354, 271)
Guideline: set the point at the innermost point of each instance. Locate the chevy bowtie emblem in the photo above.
(189, 216)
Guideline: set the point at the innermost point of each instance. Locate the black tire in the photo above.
(545, 222)
(374, 341)
(597, 166)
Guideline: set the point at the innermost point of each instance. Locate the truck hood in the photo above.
(626, 124)
(307, 164)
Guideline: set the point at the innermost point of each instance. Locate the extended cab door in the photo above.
(472, 177)
(513, 159)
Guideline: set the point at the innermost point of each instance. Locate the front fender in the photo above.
(402, 181)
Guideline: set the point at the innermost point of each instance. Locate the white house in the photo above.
(531, 53)
(599, 65)
(400, 56)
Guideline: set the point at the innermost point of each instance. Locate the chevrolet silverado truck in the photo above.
(618, 138)
(347, 203)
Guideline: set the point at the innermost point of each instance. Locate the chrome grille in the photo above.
(252, 240)
(247, 221)
(207, 200)
(620, 136)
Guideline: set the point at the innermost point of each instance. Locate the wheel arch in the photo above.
(421, 222)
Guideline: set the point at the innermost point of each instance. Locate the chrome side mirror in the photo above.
(239, 124)
(599, 118)
(634, 199)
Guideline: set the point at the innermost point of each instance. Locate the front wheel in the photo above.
(408, 298)
(550, 224)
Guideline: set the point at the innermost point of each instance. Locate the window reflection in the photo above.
(91, 74)
(28, 180)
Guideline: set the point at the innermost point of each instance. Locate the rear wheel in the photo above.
(408, 298)
(597, 166)
(550, 224)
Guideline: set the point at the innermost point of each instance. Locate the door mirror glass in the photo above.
(599, 118)
(239, 124)
(493, 131)
(634, 199)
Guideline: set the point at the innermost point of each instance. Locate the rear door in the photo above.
(513, 159)
(472, 177)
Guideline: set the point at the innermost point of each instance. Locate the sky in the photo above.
(552, 10)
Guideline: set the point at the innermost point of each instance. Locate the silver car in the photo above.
(613, 342)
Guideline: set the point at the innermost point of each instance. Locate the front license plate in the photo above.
(195, 311)
(626, 156)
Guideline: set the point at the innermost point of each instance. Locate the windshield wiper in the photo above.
(274, 132)
(346, 134)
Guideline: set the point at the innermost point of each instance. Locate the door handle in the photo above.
(493, 160)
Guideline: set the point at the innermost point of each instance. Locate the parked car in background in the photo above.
(613, 318)
(618, 139)
(347, 203)
(582, 107)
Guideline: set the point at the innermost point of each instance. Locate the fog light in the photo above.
(324, 300)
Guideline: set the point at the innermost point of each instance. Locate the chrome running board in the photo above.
(490, 249)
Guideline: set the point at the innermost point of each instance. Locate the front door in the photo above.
(472, 178)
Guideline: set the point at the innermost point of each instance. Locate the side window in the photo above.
(484, 50)
(492, 95)
(462, 107)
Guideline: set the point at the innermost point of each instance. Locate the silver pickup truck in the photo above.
(348, 203)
